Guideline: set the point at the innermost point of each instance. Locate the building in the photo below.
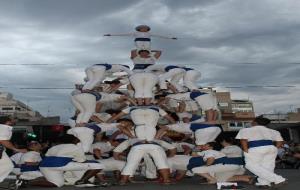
(235, 114)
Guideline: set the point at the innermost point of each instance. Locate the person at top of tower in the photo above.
(142, 37)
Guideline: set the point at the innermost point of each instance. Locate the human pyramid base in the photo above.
(148, 121)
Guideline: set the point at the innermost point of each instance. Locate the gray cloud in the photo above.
(216, 37)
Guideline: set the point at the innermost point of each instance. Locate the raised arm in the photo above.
(115, 117)
(122, 34)
(164, 37)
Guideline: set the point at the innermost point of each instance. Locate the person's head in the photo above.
(226, 141)
(207, 146)
(6, 120)
(112, 112)
(69, 139)
(34, 146)
(260, 120)
(144, 53)
(143, 28)
(125, 123)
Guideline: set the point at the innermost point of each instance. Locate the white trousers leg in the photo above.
(203, 136)
(150, 168)
(179, 162)
(111, 164)
(207, 102)
(261, 162)
(87, 106)
(143, 84)
(134, 157)
(85, 135)
(6, 166)
(190, 79)
(175, 75)
(95, 75)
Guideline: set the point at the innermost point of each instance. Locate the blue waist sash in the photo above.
(93, 126)
(233, 161)
(152, 108)
(258, 143)
(141, 66)
(142, 143)
(107, 66)
(195, 94)
(91, 161)
(195, 162)
(187, 69)
(15, 165)
(96, 94)
(29, 168)
(142, 39)
(54, 161)
(195, 117)
(196, 126)
(170, 67)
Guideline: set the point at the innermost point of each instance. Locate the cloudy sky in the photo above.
(232, 42)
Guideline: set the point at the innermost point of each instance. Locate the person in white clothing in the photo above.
(260, 153)
(190, 78)
(6, 164)
(97, 73)
(143, 81)
(142, 37)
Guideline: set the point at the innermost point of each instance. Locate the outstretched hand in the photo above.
(174, 38)
(107, 35)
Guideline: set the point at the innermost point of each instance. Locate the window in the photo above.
(7, 108)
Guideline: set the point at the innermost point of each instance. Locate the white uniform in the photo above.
(205, 100)
(16, 159)
(221, 169)
(172, 72)
(96, 73)
(179, 146)
(86, 103)
(137, 152)
(6, 164)
(261, 155)
(190, 78)
(185, 162)
(142, 81)
(204, 133)
(145, 119)
(86, 134)
(64, 157)
(30, 172)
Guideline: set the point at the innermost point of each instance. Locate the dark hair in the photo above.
(173, 115)
(112, 111)
(227, 139)
(212, 144)
(143, 50)
(124, 119)
(69, 139)
(4, 119)
(260, 120)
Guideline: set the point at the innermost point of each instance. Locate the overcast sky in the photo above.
(232, 42)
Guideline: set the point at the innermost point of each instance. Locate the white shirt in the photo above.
(5, 132)
(67, 150)
(17, 158)
(31, 156)
(232, 151)
(259, 133)
(118, 68)
(179, 146)
(149, 60)
(160, 111)
(211, 154)
(104, 147)
(109, 97)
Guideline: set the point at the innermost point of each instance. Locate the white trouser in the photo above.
(207, 102)
(149, 169)
(145, 121)
(225, 175)
(31, 175)
(190, 79)
(143, 84)
(218, 168)
(137, 153)
(261, 162)
(206, 135)
(6, 166)
(95, 75)
(111, 164)
(16, 171)
(143, 45)
(55, 175)
(86, 104)
(179, 162)
(175, 75)
(85, 135)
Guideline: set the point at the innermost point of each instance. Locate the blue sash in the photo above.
(96, 94)
(54, 161)
(144, 107)
(196, 94)
(141, 66)
(170, 67)
(233, 161)
(196, 126)
(142, 39)
(187, 69)
(28, 168)
(142, 143)
(107, 66)
(195, 162)
(93, 126)
(195, 117)
(258, 143)
(91, 161)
